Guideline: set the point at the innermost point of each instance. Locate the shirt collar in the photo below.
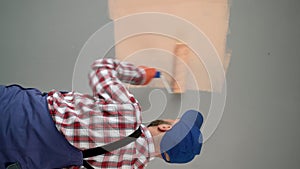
(149, 139)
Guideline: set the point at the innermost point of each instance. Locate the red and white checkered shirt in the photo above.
(110, 114)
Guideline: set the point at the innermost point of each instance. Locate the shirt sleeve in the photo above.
(107, 76)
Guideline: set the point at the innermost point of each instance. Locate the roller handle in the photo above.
(157, 74)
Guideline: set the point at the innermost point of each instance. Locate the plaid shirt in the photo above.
(110, 114)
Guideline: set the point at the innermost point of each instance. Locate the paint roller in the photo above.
(178, 82)
(181, 53)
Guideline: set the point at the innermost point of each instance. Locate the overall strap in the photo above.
(110, 147)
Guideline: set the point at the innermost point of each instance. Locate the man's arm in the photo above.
(107, 76)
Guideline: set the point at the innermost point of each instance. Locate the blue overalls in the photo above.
(28, 135)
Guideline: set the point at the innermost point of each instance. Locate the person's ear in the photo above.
(164, 127)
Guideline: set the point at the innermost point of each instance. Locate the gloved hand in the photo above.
(150, 73)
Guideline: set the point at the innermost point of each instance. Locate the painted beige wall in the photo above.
(157, 50)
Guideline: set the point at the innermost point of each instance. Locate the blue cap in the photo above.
(184, 140)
